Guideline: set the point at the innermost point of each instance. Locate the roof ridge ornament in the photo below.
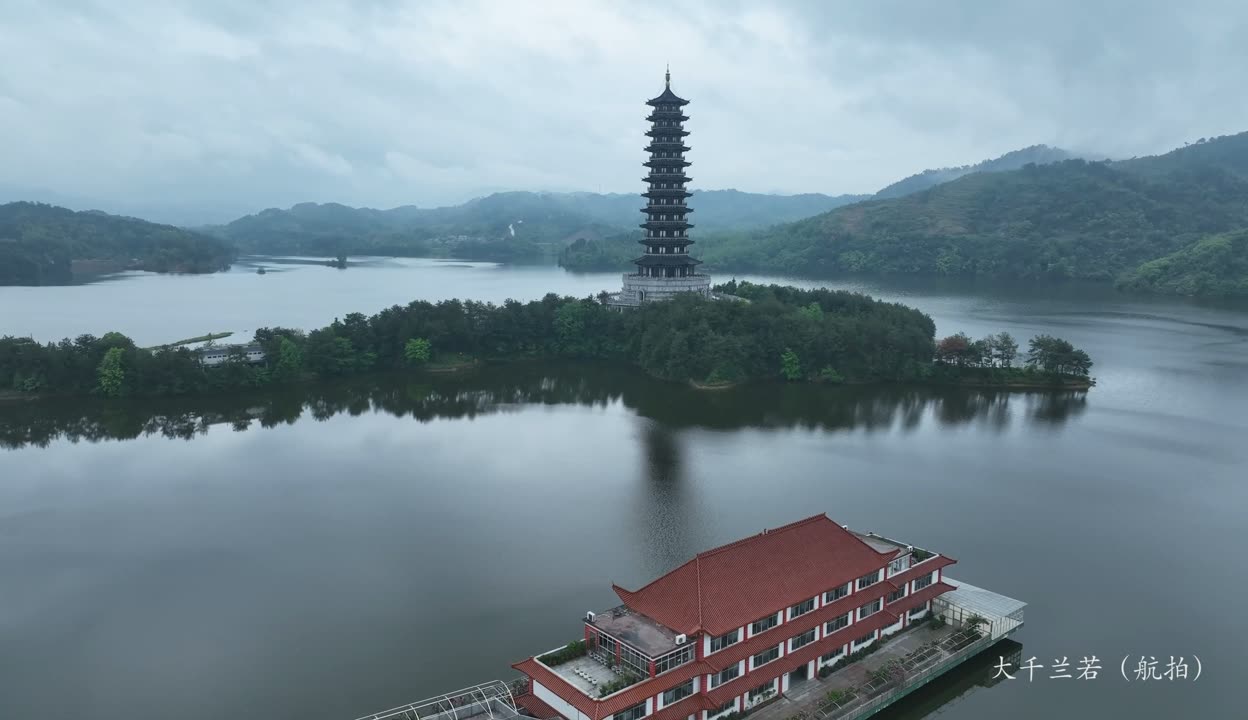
(667, 76)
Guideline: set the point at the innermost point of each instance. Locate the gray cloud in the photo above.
(236, 105)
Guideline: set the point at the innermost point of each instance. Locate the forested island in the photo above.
(41, 244)
(769, 333)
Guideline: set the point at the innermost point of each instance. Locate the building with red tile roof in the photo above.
(738, 624)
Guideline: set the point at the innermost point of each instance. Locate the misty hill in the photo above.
(499, 226)
(1013, 160)
(1073, 219)
(40, 244)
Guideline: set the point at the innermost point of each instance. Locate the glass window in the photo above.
(836, 593)
(635, 712)
(804, 639)
(836, 624)
(765, 624)
(726, 675)
(869, 609)
(680, 692)
(723, 641)
(896, 595)
(767, 656)
(923, 582)
(802, 608)
(672, 660)
(869, 579)
(726, 707)
(761, 689)
(865, 639)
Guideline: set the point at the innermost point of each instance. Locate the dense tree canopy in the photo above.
(38, 243)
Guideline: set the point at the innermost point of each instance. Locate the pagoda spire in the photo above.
(667, 77)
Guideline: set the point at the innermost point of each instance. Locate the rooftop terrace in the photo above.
(645, 635)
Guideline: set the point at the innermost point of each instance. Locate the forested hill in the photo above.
(39, 245)
(1037, 154)
(512, 223)
(1073, 219)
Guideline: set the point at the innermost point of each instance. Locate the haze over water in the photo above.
(338, 551)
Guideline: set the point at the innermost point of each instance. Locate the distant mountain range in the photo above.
(1138, 222)
(1166, 223)
(1036, 154)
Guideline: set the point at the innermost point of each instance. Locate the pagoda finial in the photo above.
(667, 76)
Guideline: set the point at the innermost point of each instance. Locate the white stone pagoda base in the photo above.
(639, 289)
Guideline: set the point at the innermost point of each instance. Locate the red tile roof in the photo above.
(534, 706)
(733, 585)
(776, 668)
(770, 638)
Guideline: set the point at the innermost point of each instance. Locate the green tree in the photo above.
(1004, 349)
(289, 361)
(829, 375)
(417, 351)
(790, 365)
(112, 372)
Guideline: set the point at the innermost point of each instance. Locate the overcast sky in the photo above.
(226, 106)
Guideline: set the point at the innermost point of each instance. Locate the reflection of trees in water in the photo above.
(663, 514)
(512, 387)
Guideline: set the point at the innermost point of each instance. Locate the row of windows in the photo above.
(923, 582)
(730, 673)
(868, 579)
(767, 656)
(762, 689)
(836, 593)
(865, 638)
(664, 233)
(869, 609)
(805, 638)
(895, 595)
(723, 641)
(680, 692)
(835, 624)
(635, 712)
(801, 608)
(672, 660)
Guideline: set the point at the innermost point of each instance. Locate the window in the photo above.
(829, 657)
(726, 707)
(869, 579)
(865, 639)
(805, 638)
(635, 712)
(761, 690)
(869, 609)
(917, 611)
(672, 660)
(727, 674)
(922, 582)
(896, 595)
(723, 641)
(899, 564)
(680, 692)
(765, 624)
(836, 624)
(836, 593)
(801, 608)
(767, 656)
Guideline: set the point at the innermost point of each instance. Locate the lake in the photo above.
(334, 551)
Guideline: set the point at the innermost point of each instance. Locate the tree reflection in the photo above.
(510, 388)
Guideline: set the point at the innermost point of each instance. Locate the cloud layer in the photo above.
(237, 105)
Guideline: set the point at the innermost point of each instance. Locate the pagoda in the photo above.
(665, 267)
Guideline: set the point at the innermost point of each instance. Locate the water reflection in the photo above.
(668, 408)
(978, 672)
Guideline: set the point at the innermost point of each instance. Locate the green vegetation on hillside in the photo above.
(1214, 266)
(1036, 154)
(39, 243)
(1073, 219)
(779, 333)
(502, 227)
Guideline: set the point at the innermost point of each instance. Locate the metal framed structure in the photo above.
(493, 700)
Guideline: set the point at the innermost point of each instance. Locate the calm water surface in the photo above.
(332, 552)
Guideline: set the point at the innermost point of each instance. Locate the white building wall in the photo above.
(559, 704)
